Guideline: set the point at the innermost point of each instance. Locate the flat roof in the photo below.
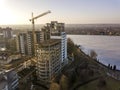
(49, 42)
(6, 54)
(17, 62)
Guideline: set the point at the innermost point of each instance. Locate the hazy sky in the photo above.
(68, 11)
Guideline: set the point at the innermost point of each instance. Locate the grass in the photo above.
(112, 84)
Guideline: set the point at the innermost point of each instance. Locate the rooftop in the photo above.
(49, 42)
(3, 81)
(16, 63)
(7, 77)
(6, 54)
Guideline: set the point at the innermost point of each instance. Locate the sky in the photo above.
(66, 11)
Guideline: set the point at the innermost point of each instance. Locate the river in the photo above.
(106, 47)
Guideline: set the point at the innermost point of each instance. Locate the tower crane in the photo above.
(33, 26)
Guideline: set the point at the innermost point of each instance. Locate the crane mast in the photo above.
(33, 27)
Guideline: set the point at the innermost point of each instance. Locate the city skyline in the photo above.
(68, 11)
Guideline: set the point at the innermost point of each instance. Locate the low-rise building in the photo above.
(3, 82)
(8, 80)
(7, 57)
(20, 64)
(7, 32)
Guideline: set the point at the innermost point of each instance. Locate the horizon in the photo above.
(37, 26)
(67, 24)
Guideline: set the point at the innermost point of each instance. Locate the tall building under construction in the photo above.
(52, 53)
(50, 49)
(48, 59)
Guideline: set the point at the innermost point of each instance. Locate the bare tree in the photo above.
(54, 86)
(64, 83)
(93, 54)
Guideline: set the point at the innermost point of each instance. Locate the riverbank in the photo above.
(82, 70)
(114, 73)
(97, 60)
(111, 76)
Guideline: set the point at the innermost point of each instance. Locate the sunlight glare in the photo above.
(6, 15)
(2, 2)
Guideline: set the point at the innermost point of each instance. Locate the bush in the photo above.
(70, 46)
(64, 83)
(102, 83)
(54, 86)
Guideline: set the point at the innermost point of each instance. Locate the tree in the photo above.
(114, 67)
(54, 86)
(111, 67)
(108, 66)
(101, 83)
(70, 46)
(64, 83)
(93, 54)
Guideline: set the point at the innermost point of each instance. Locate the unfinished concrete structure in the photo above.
(48, 59)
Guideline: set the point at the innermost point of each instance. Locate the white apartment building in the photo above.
(26, 46)
(63, 39)
(22, 40)
(58, 32)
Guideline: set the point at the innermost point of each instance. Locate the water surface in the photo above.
(107, 47)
